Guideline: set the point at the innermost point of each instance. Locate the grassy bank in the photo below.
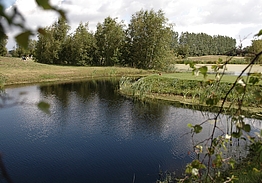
(181, 87)
(15, 71)
(191, 90)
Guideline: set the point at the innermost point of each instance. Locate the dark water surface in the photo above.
(92, 135)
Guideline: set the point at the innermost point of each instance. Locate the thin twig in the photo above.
(226, 96)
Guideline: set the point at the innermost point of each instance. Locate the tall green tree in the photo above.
(149, 38)
(78, 49)
(255, 48)
(49, 48)
(59, 32)
(109, 40)
(44, 53)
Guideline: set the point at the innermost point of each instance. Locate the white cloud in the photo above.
(234, 18)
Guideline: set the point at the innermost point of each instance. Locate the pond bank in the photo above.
(15, 72)
(190, 93)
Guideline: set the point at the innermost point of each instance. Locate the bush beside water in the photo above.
(191, 89)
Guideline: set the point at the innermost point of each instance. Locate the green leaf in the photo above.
(62, 14)
(211, 150)
(196, 164)
(214, 67)
(192, 65)
(212, 101)
(232, 162)
(199, 148)
(198, 128)
(189, 125)
(256, 170)
(240, 89)
(44, 106)
(203, 70)
(220, 60)
(247, 128)
(188, 169)
(41, 31)
(217, 162)
(47, 6)
(236, 134)
(253, 80)
(259, 33)
(44, 4)
(23, 38)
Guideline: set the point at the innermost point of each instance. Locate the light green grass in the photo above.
(16, 71)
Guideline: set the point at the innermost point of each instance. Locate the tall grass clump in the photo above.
(195, 90)
(135, 87)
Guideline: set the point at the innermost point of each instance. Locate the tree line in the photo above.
(147, 42)
(201, 44)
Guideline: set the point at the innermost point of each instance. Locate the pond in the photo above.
(92, 134)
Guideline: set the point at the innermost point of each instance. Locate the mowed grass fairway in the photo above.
(16, 71)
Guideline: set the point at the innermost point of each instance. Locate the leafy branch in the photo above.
(23, 37)
(214, 143)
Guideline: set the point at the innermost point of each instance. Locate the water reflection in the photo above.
(93, 135)
(84, 90)
(88, 101)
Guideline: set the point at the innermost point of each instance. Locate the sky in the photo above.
(239, 19)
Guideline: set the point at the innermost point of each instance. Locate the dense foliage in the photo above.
(255, 47)
(147, 42)
(109, 38)
(49, 48)
(192, 44)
